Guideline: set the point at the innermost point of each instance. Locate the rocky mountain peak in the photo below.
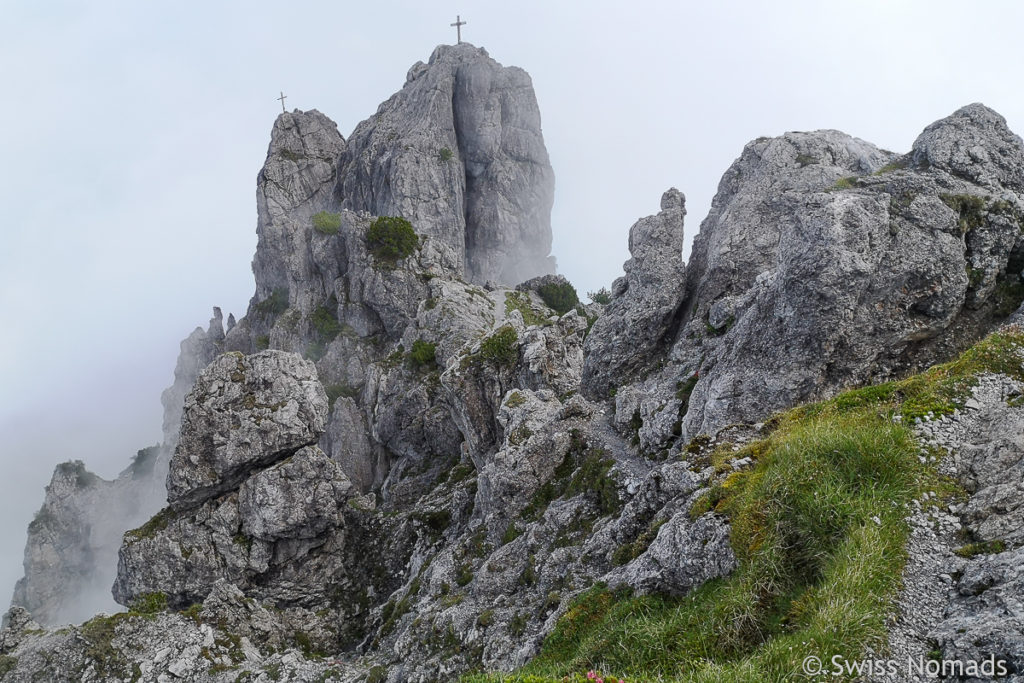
(459, 152)
(973, 143)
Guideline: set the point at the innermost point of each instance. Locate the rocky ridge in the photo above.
(479, 454)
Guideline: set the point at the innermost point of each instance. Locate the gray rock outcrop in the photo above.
(244, 413)
(826, 262)
(636, 326)
(459, 152)
(407, 461)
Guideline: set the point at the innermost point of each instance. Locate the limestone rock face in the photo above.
(245, 412)
(459, 152)
(973, 143)
(298, 498)
(632, 329)
(295, 183)
(826, 262)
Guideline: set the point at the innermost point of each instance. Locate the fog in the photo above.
(134, 132)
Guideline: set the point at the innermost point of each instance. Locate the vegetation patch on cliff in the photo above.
(391, 239)
(818, 526)
(327, 223)
(561, 297)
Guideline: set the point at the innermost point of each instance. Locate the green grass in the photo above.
(445, 154)
(818, 529)
(847, 183)
(150, 603)
(156, 524)
(520, 301)
(327, 223)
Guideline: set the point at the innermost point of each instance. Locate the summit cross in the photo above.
(459, 23)
(282, 98)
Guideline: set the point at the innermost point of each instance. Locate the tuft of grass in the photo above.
(445, 155)
(520, 301)
(150, 603)
(818, 528)
(156, 524)
(327, 223)
(847, 183)
(970, 210)
(897, 165)
(981, 548)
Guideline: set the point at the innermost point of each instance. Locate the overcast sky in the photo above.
(133, 133)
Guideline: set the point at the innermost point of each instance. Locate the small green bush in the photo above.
(561, 297)
(500, 348)
(464, 575)
(601, 296)
(263, 342)
(275, 304)
(422, 354)
(327, 223)
(391, 239)
(445, 154)
(325, 321)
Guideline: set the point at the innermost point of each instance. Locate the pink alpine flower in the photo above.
(591, 675)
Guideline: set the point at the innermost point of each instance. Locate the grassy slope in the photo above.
(818, 526)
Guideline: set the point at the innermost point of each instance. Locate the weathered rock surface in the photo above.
(634, 329)
(459, 152)
(826, 262)
(963, 578)
(443, 473)
(244, 413)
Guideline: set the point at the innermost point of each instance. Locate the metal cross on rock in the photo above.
(459, 23)
(282, 98)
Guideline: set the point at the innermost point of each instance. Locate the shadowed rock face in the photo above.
(459, 152)
(632, 329)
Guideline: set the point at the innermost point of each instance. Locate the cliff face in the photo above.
(825, 263)
(459, 152)
(419, 474)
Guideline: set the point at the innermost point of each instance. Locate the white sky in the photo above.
(134, 133)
